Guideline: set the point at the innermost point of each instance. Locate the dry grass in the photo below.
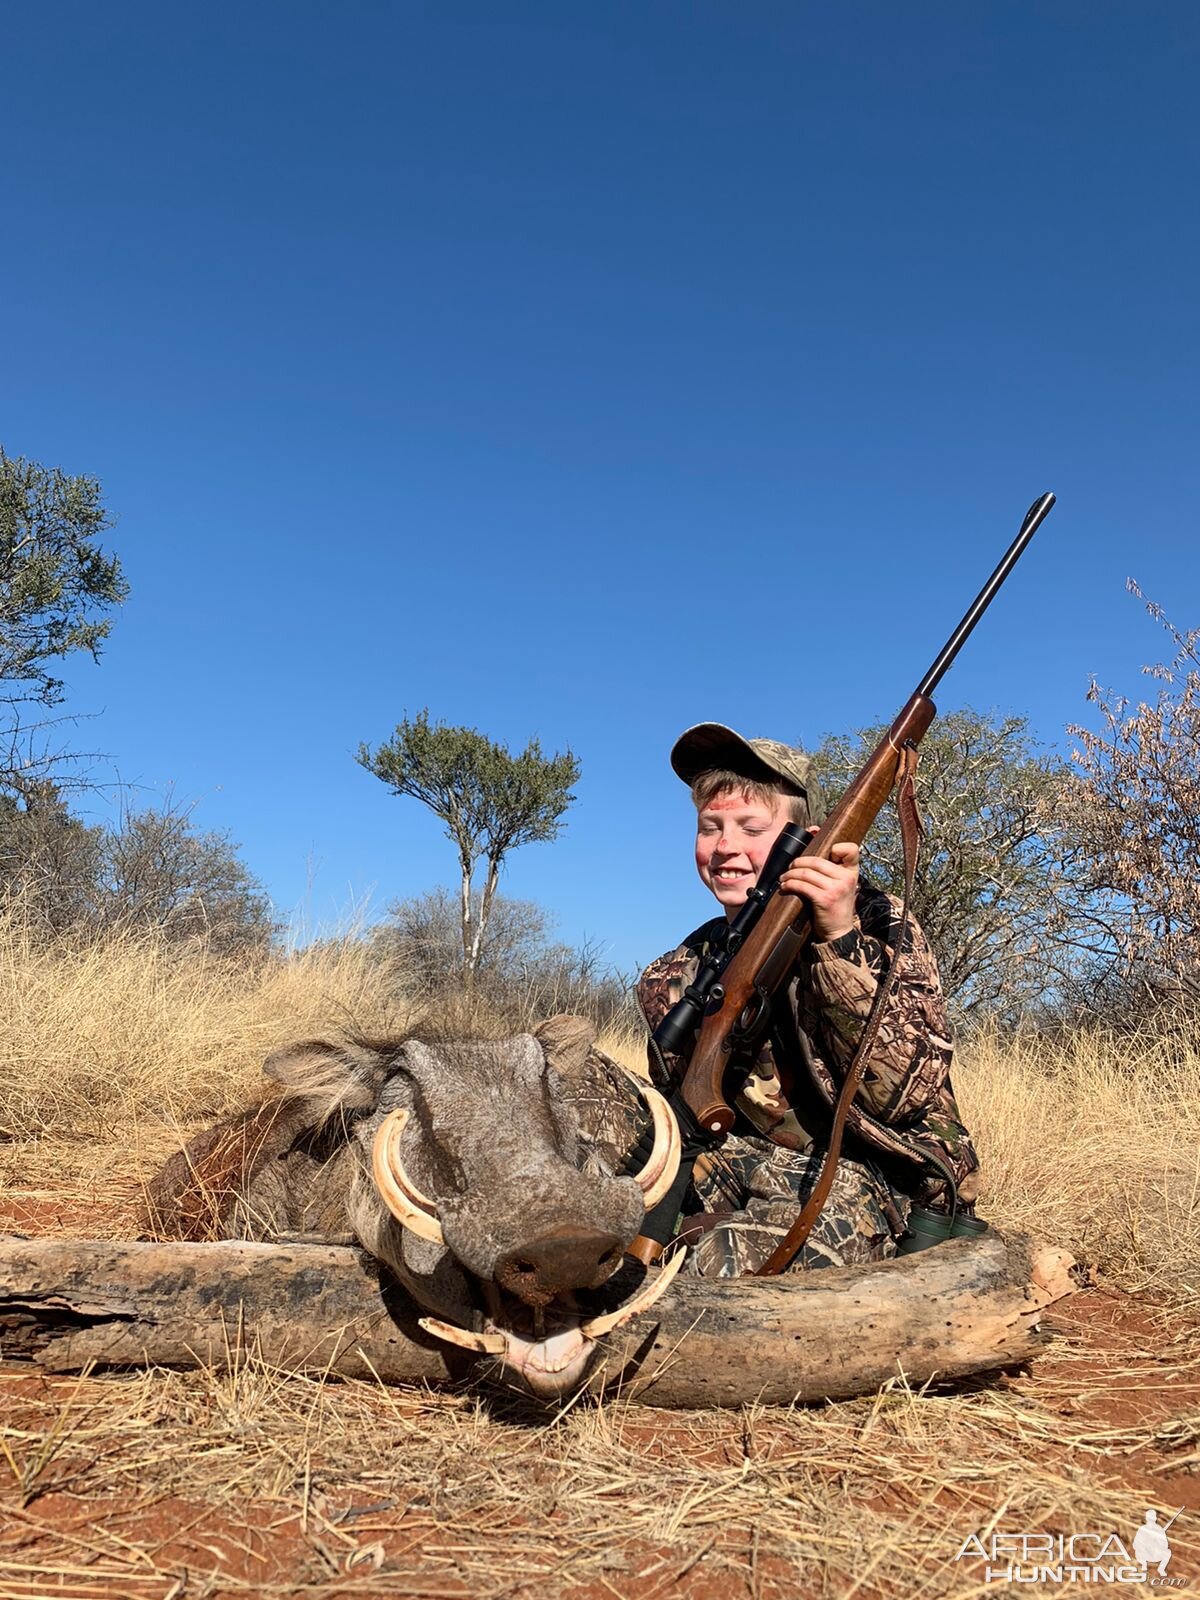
(1096, 1143)
(254, 1482)
(94, 1039)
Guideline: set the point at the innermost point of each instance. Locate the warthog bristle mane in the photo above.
(343, 1074)
(335, 1077)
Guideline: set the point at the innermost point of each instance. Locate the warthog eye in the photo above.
(524, 1266)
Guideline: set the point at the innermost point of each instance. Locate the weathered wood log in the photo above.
(968, 1306)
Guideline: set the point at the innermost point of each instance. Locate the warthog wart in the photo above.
(482, 1173)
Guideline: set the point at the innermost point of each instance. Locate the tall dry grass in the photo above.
(98, 1036)
(1091, 1140)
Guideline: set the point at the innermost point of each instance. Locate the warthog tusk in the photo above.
(500, 1344)
(657, 1176)
(646, 1296)
(411, 1208)
(483, 1344)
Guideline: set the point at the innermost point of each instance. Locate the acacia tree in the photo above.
(49, 860)
(152, 870)
(55, 583)
(1137, 815)
(157, 870)
(490, 800)
(1000, 888)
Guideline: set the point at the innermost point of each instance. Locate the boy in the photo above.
(905, 1141)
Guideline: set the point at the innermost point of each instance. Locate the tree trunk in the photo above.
(967, 1306)
(466, 867)
(485, 909)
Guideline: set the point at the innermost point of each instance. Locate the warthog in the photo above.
(473, 1170)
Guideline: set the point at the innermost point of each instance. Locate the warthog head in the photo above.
(462, 1167)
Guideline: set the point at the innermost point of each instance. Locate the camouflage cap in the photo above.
(710, 746)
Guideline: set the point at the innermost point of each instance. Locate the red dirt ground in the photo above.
(1112, 1373)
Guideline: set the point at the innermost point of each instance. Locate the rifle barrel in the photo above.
(1034, 518)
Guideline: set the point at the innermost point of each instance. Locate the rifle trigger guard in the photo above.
(753, 1018)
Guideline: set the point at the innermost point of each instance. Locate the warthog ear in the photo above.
(345, 1076)
(565, 1042)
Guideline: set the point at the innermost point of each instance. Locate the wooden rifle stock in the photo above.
(770, 951)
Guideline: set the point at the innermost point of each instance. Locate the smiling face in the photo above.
(734, 835)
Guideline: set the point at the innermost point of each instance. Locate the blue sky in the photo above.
(589, 371)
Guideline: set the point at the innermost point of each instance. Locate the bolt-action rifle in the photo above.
(726, 1008)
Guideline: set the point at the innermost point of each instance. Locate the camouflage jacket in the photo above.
(904, 1109)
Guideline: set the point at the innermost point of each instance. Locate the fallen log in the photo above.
(967, 1306)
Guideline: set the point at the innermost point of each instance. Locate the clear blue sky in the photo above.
(590, 371)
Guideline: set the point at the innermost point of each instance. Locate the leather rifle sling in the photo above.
(910, 834)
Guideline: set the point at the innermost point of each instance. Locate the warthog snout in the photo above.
(556, 1262)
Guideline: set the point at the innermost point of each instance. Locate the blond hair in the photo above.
(706, 786)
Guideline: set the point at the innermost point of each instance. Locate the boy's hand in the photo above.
(830, 887)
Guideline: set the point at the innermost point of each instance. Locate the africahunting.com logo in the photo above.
(1076, 1557)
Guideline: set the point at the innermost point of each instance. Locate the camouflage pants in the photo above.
(752, 1191)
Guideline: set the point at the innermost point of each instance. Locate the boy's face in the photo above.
(734, 836)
